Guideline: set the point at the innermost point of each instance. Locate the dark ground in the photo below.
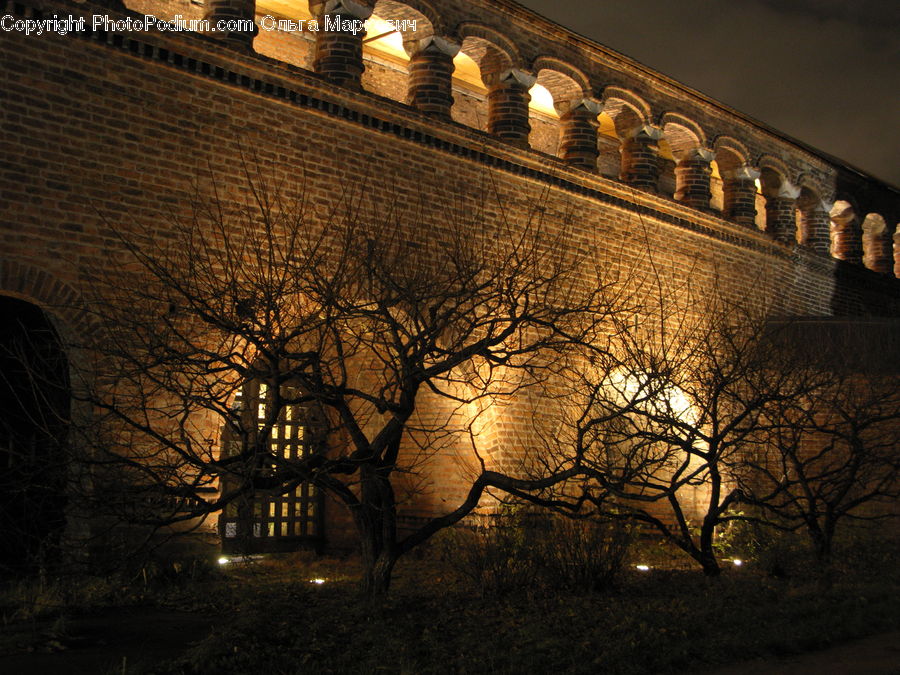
(119, 640)
(116, 640)
(267, 617)
(875, 655)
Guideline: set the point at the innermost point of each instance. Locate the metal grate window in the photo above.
(273, 521)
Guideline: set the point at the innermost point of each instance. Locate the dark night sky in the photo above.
(826, 72)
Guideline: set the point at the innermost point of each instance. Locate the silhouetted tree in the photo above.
(833, 456)
(667, 427)
(347, 314)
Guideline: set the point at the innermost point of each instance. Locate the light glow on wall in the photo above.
(542, 101)
(607, 126)
(467, 72)
(389, 42)
(284, 8)
(667, 399)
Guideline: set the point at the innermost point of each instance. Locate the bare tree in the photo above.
(832, 457)
(668, 424)
(241, 314)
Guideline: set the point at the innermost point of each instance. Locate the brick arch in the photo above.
(814, 224)
(685, 163)
(813, 229)
(562, 88)
(727, 161)
(572, 81)
(58, 299)
(806, 181)
(780, 196)
(641, 107)
(773, 166)
(733, 191)
(728, 151)
(398, 11)
(771, 179)
(411, 9)
(506, 82)
(573, 136)
(809, 196)
(626, 109)
(548, 135)
(489, 48)
(687, 133)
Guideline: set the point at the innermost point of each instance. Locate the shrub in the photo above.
(494, 559)
(523, 549)
(585, 554)
(775, 552)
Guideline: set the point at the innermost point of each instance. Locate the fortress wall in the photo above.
(113, 134)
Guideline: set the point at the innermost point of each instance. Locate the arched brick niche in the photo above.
(497, 68)
(57, 298)
(734, 183)
(688, 162)
(780, 201)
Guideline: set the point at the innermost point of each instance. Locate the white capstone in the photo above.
(788, 191)
(435, 43)
(354, 9)
(514, 75)
(744, 172)
(593, 106)
(647, 132)
(697, 153)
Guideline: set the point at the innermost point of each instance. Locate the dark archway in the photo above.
(34, 407)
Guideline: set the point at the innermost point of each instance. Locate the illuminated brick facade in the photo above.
(121, 122)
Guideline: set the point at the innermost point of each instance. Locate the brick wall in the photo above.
(111, 133)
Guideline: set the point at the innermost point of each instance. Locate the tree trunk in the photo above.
(376, 522)
(821, 540)
(378, 558)
(824, 543)
(706, 555)
(377, 575)
(708, 562)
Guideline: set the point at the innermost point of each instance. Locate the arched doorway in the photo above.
(34, 409)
